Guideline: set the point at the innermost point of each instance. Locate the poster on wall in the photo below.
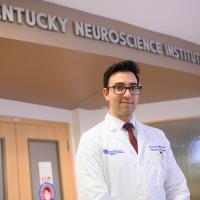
(45, 172)
(46, 191)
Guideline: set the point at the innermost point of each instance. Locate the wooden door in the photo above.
(17, 136)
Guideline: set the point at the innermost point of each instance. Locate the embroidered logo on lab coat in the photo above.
(112, 152)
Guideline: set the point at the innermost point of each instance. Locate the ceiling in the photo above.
(69, 79)
(178, 18)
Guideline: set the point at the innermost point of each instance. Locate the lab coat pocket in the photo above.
(155, 169)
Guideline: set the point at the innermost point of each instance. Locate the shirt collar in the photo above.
(114, 123)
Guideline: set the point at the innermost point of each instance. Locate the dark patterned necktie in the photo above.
(129, 127)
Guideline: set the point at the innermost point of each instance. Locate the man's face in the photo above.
(121, 106)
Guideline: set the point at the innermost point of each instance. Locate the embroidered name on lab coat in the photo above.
(112, 152)
(157, 148)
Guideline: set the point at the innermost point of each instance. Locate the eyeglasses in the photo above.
(121, 89)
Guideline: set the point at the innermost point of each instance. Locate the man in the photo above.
(116, 162)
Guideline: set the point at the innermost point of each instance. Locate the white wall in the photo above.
(169, 110)
(147, 113)
(162, 17)
(89, 118)
(81, 120)
(34, 111)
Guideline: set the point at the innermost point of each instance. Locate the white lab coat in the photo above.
(108, 168)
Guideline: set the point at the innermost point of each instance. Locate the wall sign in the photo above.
(19, 15)
(133, 41)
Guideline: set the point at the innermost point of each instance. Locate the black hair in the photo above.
(124, 66)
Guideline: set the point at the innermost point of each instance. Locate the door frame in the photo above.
(10, 169)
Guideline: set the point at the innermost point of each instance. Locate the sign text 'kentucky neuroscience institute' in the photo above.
(31, 18)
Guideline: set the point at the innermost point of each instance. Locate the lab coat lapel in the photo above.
(141, 139)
